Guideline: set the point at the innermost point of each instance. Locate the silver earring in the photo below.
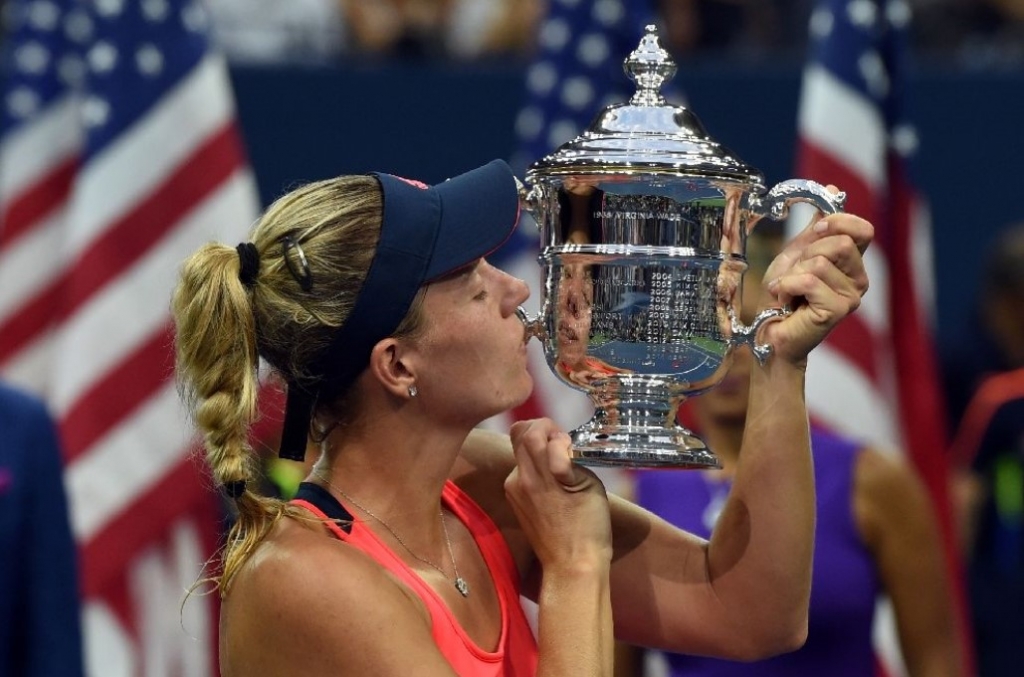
(412, 391)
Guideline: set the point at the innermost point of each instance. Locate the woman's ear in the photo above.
(390, 369)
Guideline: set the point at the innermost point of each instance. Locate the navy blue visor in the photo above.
(427, 232)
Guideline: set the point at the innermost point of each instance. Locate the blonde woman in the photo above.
(406, 550)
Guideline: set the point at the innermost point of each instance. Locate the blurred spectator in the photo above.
(988, 460)
(40, 635)
(977, 32)
(442, 28)
(993, 341)
(409, 28)
(875, 534)
(492, 27)
(322, 31)
(740, 27)
(277, 31)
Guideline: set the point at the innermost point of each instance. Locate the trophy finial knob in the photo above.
(649, 66)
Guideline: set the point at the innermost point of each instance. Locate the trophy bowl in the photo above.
(643, 223)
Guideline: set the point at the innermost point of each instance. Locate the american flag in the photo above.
(577, 71)
(876, 377)
(119, 155)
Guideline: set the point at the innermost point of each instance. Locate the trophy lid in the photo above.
(646, 135)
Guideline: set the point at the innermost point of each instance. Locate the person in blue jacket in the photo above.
(40, 632)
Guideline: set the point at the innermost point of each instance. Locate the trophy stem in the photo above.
(638, 429)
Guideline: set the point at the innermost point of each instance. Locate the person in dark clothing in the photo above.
(40, 633)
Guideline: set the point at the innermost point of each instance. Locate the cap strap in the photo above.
(298, 410)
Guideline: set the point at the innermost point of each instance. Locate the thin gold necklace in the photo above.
(459, 582)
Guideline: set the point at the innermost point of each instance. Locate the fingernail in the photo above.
(773, 285)
(821, 226)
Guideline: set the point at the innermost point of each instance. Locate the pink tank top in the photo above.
(516, 653)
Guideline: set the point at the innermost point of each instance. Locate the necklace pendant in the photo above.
(462, 586)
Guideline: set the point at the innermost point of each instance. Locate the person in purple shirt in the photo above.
(40, 633)
(875, 534)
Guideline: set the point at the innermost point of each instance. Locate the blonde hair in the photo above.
(223, 327)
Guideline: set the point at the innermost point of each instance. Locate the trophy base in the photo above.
(632, 447)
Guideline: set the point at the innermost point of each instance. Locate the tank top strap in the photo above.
(454, 642)
(324, 506)
(488, 537)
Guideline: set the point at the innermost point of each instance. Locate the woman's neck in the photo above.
(396, 464)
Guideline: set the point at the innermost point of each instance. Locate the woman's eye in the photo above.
(481, 296)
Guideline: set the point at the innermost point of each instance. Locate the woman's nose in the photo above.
(518, 291)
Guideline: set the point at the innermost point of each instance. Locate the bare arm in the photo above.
(563, 511)
(575, 622)
(896, 521)
(745, 594)
(661, 591)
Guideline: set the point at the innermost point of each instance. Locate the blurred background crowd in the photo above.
(971, 33)
(975, 33)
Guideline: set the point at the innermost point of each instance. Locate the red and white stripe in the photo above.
(850, 387)
(89, 254)
(875, 378)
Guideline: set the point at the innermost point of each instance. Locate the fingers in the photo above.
(842, 252)
(838, 238)
(825, 290)
(820, 275)
(834, 260)
(859, 232)
(543, 453)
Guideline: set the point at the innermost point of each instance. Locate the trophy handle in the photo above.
(747, 334)
(534, 327)
(777, 201)
(529, 199)
(775, 204)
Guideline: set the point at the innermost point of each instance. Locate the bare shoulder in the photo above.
(308, 603)
(885, 476)
(887, 492)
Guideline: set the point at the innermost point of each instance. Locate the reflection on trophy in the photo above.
(643, 222)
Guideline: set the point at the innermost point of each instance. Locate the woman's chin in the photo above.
(524, 391)
(512, 398)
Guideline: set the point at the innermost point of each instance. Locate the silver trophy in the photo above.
(643, 221)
